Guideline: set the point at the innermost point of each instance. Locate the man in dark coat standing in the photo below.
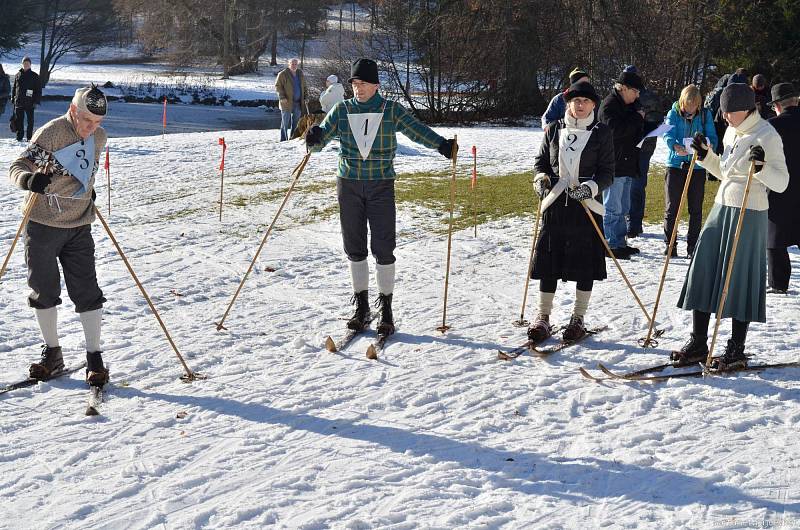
(783, 229)
(27, 93)
(619, 112)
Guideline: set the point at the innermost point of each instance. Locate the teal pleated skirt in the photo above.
(747, 292)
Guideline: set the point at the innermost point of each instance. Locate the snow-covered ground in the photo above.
(435, 434)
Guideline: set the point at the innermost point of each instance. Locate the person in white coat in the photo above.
(333, 93)
(748, 139)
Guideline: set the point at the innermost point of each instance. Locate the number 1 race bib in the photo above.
(78, 160)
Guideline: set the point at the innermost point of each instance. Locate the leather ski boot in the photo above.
(50, 364)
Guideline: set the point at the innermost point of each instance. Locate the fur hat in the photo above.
(736, 97)
(582, 89)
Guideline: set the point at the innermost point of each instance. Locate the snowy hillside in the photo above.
(437, 433)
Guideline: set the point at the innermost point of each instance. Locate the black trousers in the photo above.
(21, 114)
(673, 188)
(45, 246)
(779, 268)
(363, 202)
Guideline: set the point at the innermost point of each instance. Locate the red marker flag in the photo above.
(474, 167)
(107, 165)
(224, 148)
(164, 116)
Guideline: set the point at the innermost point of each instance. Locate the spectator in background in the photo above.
(291, 88)
(5, 90)
(687, 118)
(557, 107)
(619, 112)
(712, 104)
(26, 94)
(762, 96)
(650, 103)
(333, 93)
(783, 227)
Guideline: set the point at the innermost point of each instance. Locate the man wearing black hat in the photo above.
(619, 112)
(57, 170)
(366, 127)
(26, 94)
(557, 107)
(783, 229)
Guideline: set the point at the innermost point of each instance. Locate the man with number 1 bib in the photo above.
(58, 169)
(367, 127)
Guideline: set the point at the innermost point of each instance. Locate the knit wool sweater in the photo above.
(59, 207)
(733, 166)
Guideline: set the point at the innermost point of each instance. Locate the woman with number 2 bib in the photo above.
(574, 165)
(58, 169)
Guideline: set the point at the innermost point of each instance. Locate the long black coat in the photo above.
(27, 90)
(627, 126)
(784, 208)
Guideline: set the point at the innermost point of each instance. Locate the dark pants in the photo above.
(673, 189)
(21, 114)
(638, 196)
(779, 268)
(549, 286)
(362, 202)
(74, 248)
(3, 103)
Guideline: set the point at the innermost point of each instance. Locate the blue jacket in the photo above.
(555, 110)
(683, 128)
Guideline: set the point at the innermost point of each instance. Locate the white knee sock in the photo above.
(91, 321)
(546, 302)
(385, 274)
(48, 323)
(581, 302)
(359, 273)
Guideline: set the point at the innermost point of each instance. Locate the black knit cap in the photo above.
(631, 79)
(364, 70)
(737, 97)
(581, 89)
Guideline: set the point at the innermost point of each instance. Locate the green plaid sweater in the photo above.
(380, 163)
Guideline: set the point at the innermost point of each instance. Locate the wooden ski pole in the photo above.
(221, 175)
(24, 222)
(108, 179)
(649, 341)
(298, 170)
(25, 217)
(190, 375)
(444, 327)
(522, 322)
(611, 254)
(729, 272)
(474, 184)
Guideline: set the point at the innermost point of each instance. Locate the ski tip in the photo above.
(330, 345)
(503, 356)
(371, 352)
(91, 411)
(587, 375)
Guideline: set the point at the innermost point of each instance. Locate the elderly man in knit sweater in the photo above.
(57, 170)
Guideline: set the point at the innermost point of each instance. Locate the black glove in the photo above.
(580, 193)
(94, 195)
(757, 155)
(542, 186)
(699, 145)
(446, 148)
(37, 182)
(314, 136)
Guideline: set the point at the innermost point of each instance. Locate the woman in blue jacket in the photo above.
(687, 117)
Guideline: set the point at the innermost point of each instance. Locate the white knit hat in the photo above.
(332, 79)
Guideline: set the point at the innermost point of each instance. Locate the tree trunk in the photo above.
(273, 58)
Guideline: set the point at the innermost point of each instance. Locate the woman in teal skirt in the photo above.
(748, 139)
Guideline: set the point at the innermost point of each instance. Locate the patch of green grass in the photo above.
(494, 197)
